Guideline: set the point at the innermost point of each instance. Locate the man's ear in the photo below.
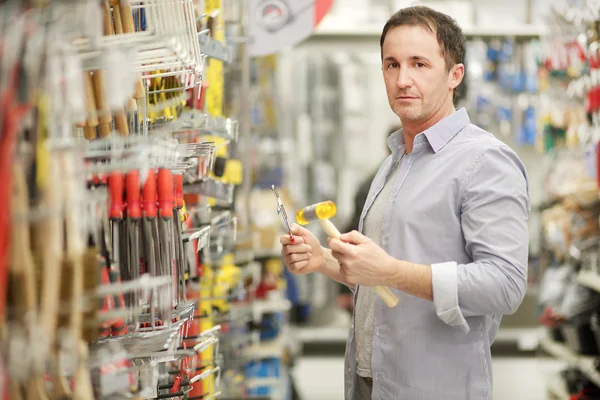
(457, 73)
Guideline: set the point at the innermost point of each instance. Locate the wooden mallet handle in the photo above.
(384, 292)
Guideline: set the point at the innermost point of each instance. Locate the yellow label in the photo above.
(42, 153)
(214, 68)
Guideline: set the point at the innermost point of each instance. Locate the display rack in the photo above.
(585, 364)
(568, 87)
(118, 147)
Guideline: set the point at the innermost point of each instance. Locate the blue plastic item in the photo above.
(266, 368)
(271, 325)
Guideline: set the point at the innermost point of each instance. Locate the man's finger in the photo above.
(339, 246)
(297, 267)
(297, 248)
(354, 237)
(299, 257)
(285, 240)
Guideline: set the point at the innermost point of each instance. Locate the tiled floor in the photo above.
(514, 378)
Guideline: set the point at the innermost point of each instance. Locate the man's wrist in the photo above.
(411, 278)
(394, 272)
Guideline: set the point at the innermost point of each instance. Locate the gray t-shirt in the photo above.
(365, 303)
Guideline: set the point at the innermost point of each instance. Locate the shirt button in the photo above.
(377, 331)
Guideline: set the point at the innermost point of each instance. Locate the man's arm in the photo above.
(494, 215)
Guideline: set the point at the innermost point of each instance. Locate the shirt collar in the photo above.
(438, 135)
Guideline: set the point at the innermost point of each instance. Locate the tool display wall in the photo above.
(568, 296)
(121, 275)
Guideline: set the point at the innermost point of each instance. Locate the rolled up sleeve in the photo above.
(445, 295)
(494, 220)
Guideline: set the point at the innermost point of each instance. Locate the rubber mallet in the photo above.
(322, 212)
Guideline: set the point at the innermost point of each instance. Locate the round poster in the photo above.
(276, 24)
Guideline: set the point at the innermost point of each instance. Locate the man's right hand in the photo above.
(305, 254)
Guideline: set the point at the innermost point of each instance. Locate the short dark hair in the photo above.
(449, 35)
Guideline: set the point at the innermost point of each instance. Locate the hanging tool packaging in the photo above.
(116, 234)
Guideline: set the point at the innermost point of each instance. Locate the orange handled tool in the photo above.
(178, 183)
(132, 225)
(132, 184)
(115, 189)
(115, 213)
(149, 195)
(165, 211)
(165, 193)
(151, 254)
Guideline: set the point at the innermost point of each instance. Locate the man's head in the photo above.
(422, 52)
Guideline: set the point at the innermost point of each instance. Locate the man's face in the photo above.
(417, 81)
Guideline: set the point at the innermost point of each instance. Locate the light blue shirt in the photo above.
(460, 203)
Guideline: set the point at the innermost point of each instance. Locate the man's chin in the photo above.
(407, 115)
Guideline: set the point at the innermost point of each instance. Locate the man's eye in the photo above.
(420, 65)
(393, 65)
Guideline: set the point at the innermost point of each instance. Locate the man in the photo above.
(345, 299)
(445, 227)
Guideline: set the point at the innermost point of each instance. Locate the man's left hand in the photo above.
(361, 261)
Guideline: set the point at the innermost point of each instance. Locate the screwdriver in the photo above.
(281, 211)
(179, 250)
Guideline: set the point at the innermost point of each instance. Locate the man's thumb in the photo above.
(299, 230)
(353, 237)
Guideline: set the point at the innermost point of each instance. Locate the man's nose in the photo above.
(404, 79)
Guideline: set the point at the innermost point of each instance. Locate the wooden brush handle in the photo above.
(74, 244)
(104, 130)
(89, 132)
(131, 105)
(91, 265)
(21, 260)
(23, 269)
(83, 383)
(121, 123)
(129, 27)
(118, 21)
(34, 389)
(15, 391)
(73, 276)
(139, 91)
(108, 22)
(126, 16)
(90, 102)
(99, 82)
(48, 238)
